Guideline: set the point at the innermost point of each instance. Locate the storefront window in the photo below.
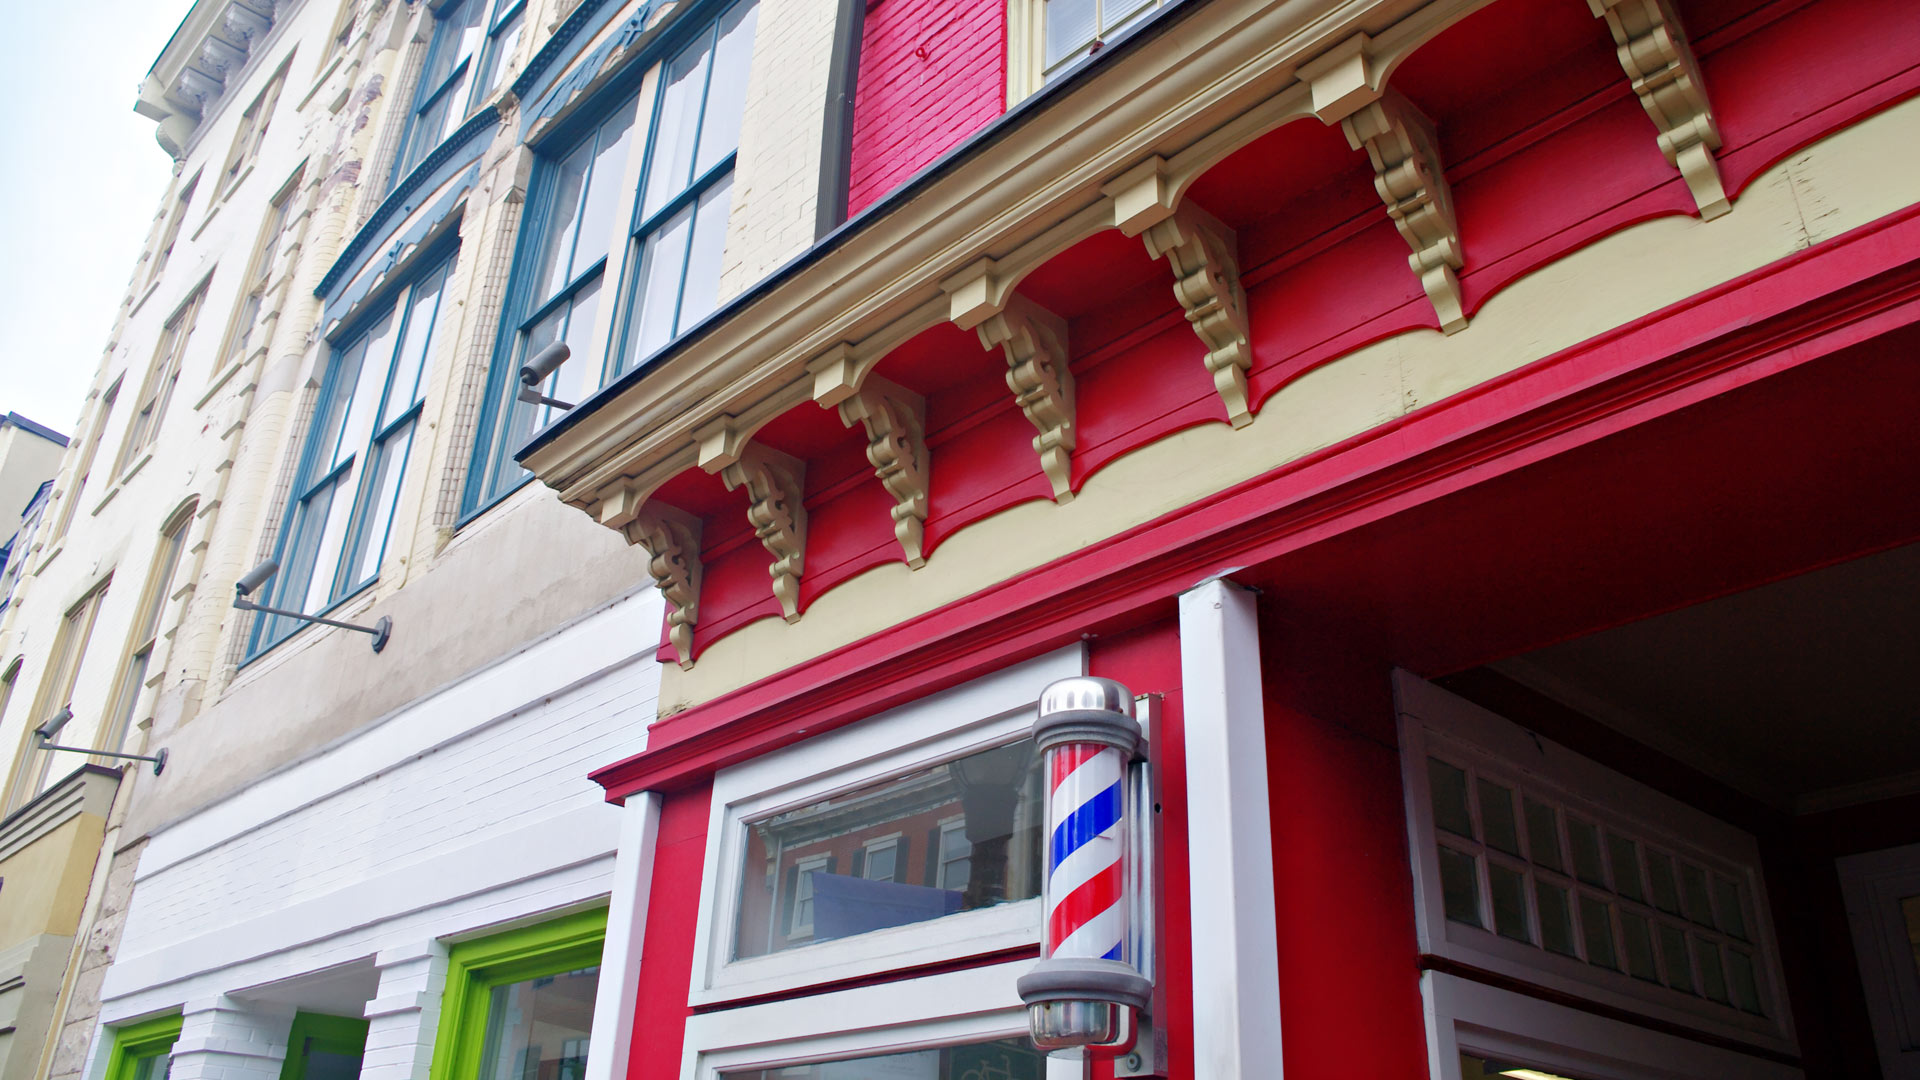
(537, 1028)
(519, 1004)
(1002, 1059)
(956, 837)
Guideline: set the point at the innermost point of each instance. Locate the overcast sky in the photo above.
(81, 179)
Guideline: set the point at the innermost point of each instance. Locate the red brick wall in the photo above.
(932, 72)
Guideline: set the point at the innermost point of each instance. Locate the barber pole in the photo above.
(1087, 989)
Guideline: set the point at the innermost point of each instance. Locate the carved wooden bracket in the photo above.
(672, 539)
(1206, 281)
(1035, 341)
(774, 484)
(1656, 56)
(895, 419)
(1399, 140)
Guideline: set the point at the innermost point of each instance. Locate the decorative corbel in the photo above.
(671, 537)
(1657, 58)
(1399, 140)
(1035, 342)
(895, 419)
(775, 483)
(1206, 281)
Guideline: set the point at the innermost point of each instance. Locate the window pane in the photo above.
(1596, 929)
(580, 375)
(1693, 885)
(1449, 785)
(657, 288)
(153, 1067)
(1673, 954)
(563, 216)
(1741, 980)
(1666, 894)
(1496, 817)
(670, 170)
(1556, 918)
(327, 559)
(727, 94)
(1625, 857)
(389, 465)
(1509, 889)
(368, 384)
(1733, 913)
(1118, 11)
(1070, 28)
(1713, 980)
(1584, 839)
(1459, 887)
(702, 292)
(416, 349)
(1543, 836)
(537, 1029)
(1004, 1059)
(800, 884)
(1636, 939)
(505, 41)
(604, 193)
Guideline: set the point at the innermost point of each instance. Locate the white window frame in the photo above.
(1486, 1021)
(990, 711)
(1874, 883)
(952, 825)
(1430, 719)
(955, 1008)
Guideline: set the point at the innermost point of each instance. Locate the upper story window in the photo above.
(350, 469)
(260, 266)
(1046, 37)
(146, 629)
(466, 59)
(57, 681)
(83, 468)
(613, 262)
(157, 391)
(171, 235)
(253, 130)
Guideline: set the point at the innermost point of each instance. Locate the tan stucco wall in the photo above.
(46, 881)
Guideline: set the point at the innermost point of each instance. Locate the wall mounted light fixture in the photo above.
(54, 723)
(382, 629)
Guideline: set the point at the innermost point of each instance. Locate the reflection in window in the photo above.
(1002, 1059)
(537, 1029)
(956, 837)
(472, 41)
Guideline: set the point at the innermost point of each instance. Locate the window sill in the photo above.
(51, 555)
(132, 470)
(152, 287)
(320, 83)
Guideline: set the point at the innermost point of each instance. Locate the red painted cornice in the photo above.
(1838, 293)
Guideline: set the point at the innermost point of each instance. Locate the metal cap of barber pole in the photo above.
(1086, 709)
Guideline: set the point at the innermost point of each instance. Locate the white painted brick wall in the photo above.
(503, 777)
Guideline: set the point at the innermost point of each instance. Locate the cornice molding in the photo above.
(1020, 192)
(213, 44)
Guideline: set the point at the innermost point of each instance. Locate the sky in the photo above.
(82, 177)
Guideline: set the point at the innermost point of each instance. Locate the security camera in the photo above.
(256, 577)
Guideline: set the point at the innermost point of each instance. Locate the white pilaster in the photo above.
(1236, 973)
(626, 931)
(226, 1039)
(405, 1016)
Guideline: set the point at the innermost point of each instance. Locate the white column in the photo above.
(626, 931)
(404, 1017)
(225, 1039)
(1236, 971)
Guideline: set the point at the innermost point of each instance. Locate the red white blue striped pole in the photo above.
(1086, 978)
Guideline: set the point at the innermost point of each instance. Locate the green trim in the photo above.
(475, 967)
(330, 1034)
(135, 1042)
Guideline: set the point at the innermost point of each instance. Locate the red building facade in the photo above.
(1484, 430)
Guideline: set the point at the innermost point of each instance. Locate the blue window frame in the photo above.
(465, 63)
(657, 232)
(355, 458)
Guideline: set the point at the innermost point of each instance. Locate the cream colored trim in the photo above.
(1846, 180)
(1026, 40)
(1657, 57)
